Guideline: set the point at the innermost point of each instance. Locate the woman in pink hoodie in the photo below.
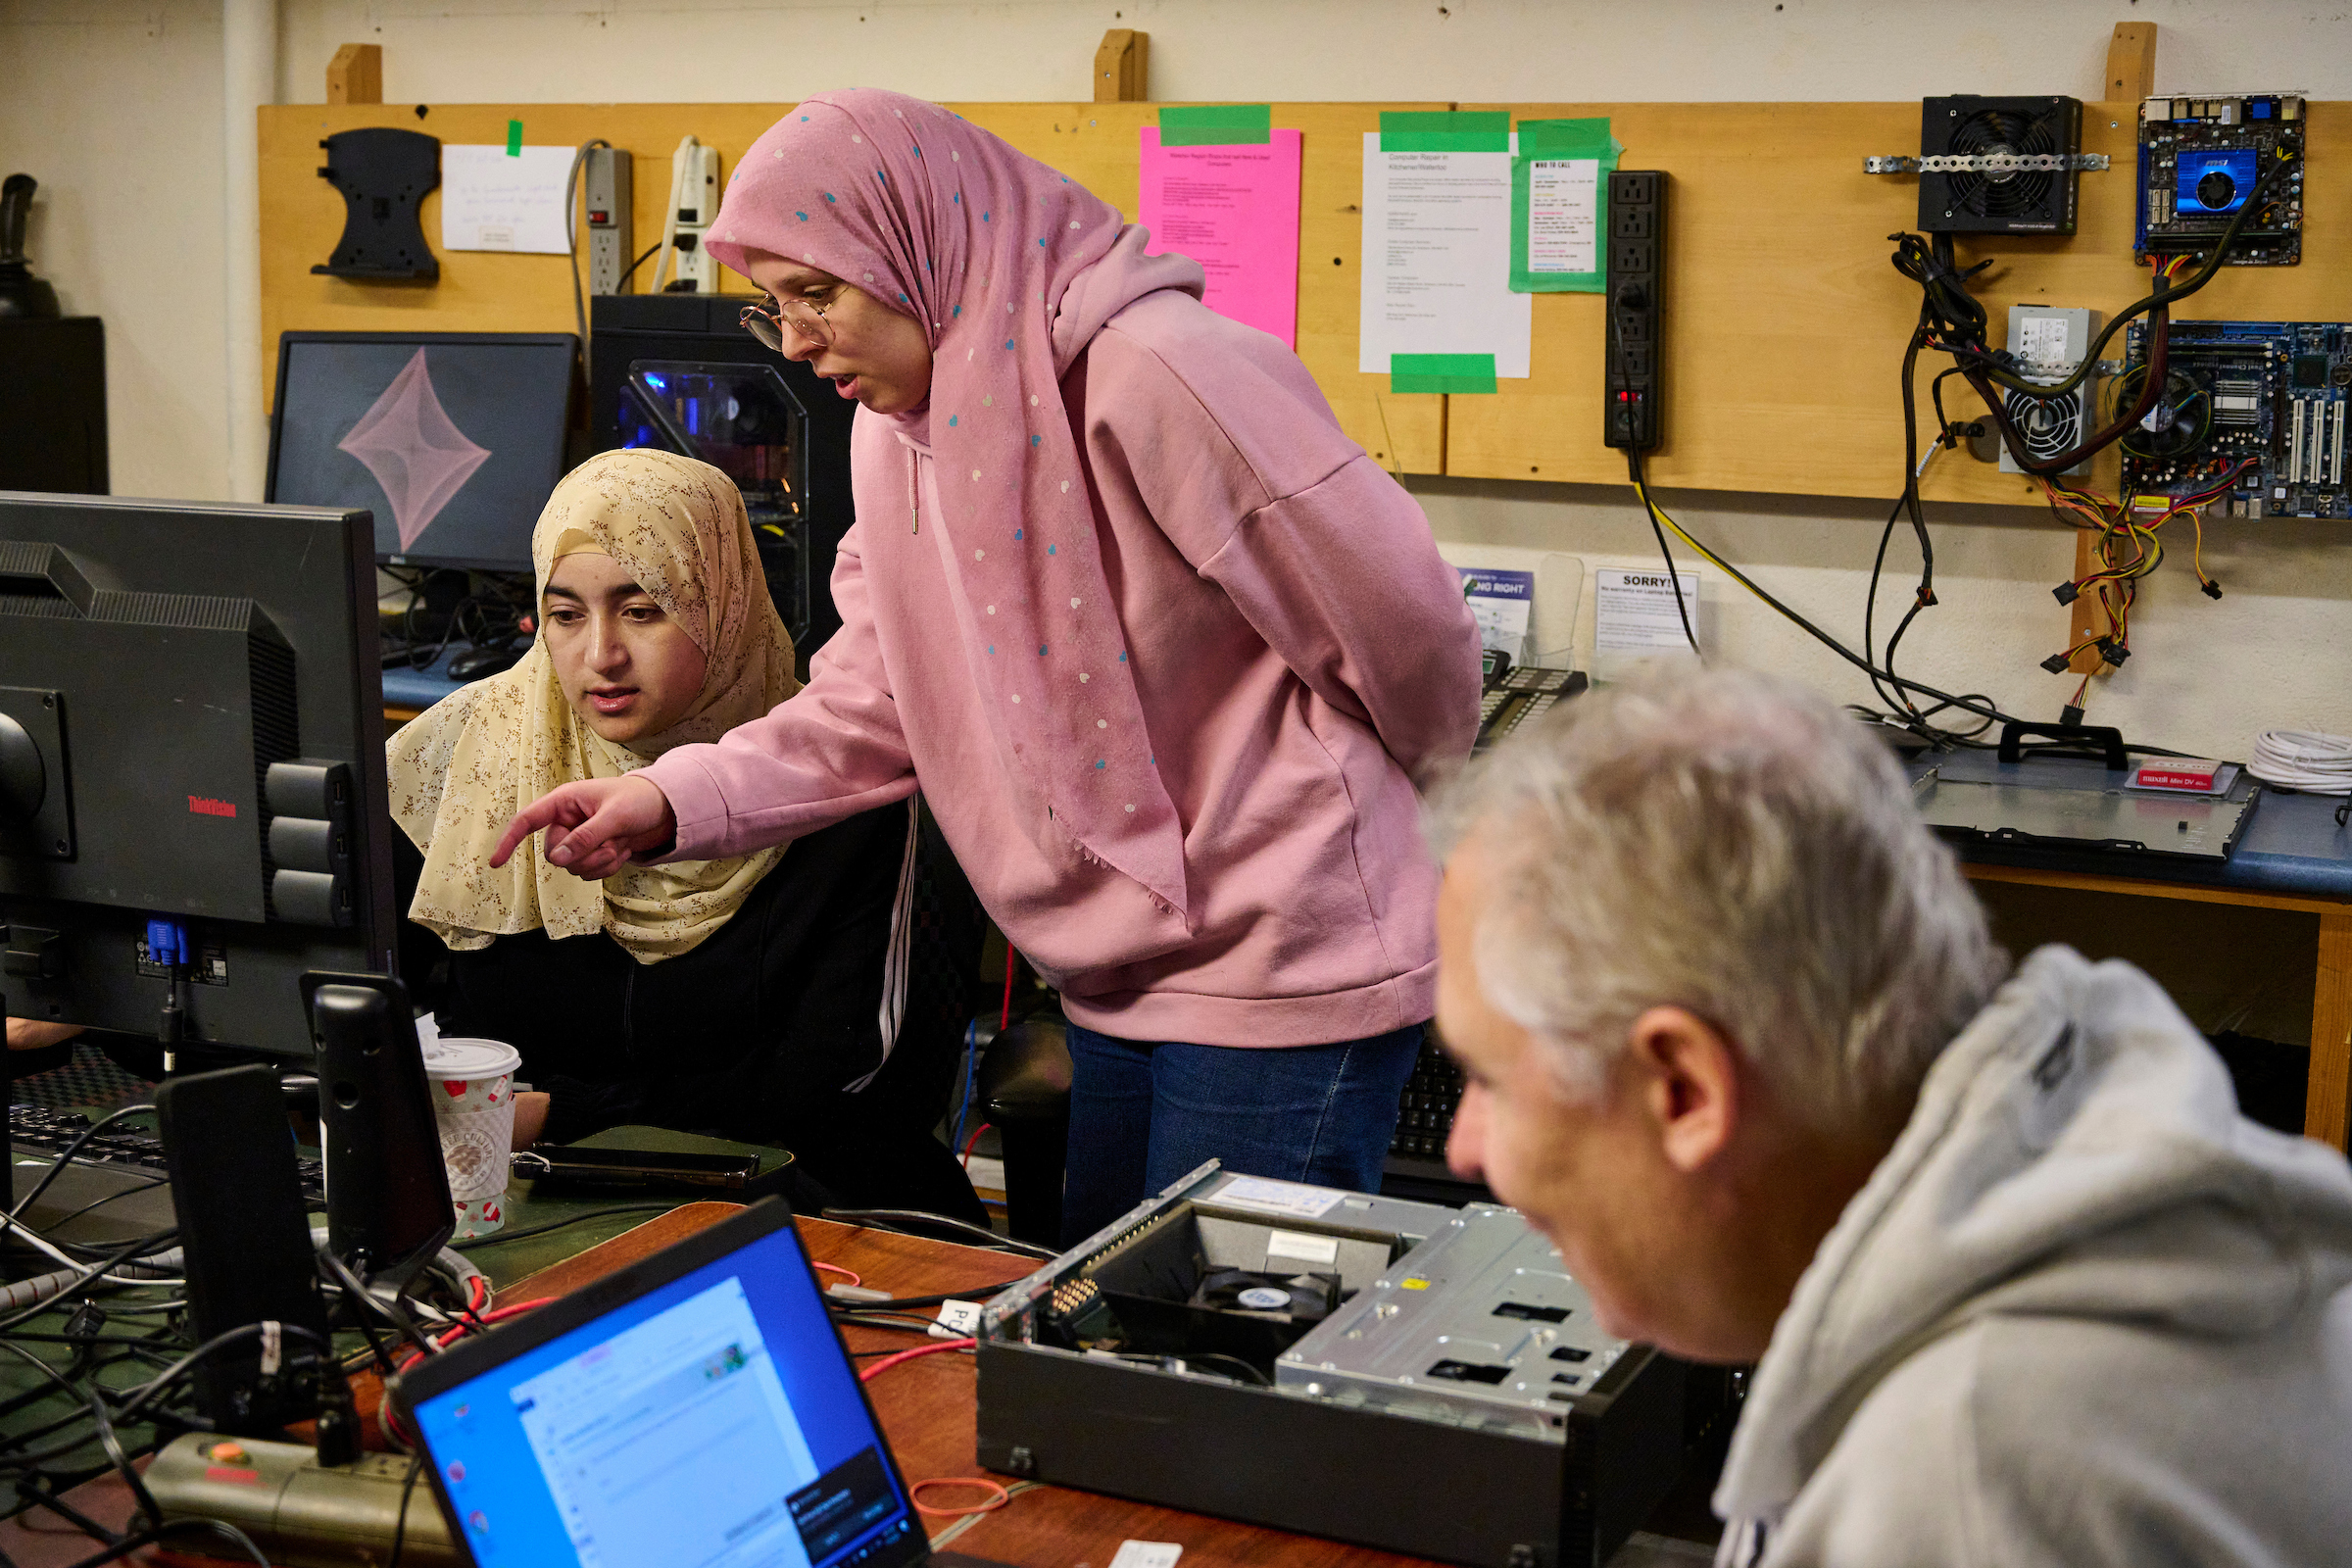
(1164, 649)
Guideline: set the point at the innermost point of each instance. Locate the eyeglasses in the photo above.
(767, 322)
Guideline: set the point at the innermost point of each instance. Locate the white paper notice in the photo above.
(1294, 1199)
(1632, 611)
(493, 202)
(1563, 197)
(1437, 259)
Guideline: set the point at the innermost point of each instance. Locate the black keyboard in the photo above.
(1425, 1112)
(39, 1130)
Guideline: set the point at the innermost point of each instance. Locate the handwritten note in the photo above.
(495, 201)
(1235, 209)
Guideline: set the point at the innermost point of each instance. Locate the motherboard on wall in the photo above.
(2260, 404)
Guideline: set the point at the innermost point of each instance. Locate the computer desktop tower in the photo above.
(1459, 1401)
(679, 372)
(53, 405)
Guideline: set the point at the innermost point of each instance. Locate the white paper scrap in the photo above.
(957, 1320)
(1632, 611)
(1563, 200)
(1302, 1247)
(493, 202)
(1146, 1554)
(1294, 1199)
(1437, 272)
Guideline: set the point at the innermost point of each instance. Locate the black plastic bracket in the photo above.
(383, 176)
(2072, 737)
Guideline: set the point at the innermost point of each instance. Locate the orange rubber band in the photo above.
(990, 1505)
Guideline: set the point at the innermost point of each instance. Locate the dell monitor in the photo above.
(193, 810)
(454, 440)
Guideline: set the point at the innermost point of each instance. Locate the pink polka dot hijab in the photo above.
(1011, 269)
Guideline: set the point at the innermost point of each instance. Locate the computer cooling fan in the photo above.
(2051, 426)
(2175, 424)
(1302, 1298)
(1996, 166)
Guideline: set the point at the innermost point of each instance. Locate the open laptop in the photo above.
(694, 1411)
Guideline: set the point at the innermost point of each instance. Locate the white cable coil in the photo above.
(161, 1268)
(2303, 759)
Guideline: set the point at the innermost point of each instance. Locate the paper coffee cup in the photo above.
(473, 1104)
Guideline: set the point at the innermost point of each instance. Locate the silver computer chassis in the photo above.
(1460, 1404)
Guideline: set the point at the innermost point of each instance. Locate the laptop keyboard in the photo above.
(35, 1129)
(1425, 1112)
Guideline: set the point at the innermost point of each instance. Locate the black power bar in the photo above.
(1636, 303)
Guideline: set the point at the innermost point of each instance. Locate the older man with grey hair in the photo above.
(2024, 1287)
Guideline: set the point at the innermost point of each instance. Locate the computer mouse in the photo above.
(477, 662)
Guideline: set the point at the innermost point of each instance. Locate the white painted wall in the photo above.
(116, 106)
(115, 109)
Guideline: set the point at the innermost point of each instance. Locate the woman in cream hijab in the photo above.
(739, 995)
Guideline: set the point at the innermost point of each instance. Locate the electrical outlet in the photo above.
(609, 185)
(694, 198)
(1631, 390)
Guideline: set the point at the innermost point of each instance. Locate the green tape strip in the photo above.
(1442, 372)
(1440, 130)
(513, 139)
(1564, 138)
(1216, 125)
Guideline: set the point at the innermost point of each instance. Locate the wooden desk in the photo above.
(928, 1410)
(2328, 1091)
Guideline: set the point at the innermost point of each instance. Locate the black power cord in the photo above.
(1959, 323)
(1630, 296)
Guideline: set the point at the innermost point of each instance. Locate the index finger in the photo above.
(540, 813)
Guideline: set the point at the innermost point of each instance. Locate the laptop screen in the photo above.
(712, 1422)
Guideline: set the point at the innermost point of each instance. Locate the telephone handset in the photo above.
(1511, 697)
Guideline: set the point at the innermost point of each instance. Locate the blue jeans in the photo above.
(1142, 1114)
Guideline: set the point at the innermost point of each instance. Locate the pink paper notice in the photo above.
(1233, 209)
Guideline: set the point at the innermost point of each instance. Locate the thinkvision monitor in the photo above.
(193, 810)
(454, 440)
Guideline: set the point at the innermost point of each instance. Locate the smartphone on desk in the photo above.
(1512, 696)
(643, 1170)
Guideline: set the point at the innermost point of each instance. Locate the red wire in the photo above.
(889, 1361)
(969, 1142)
(836, 1269)
(1005, 1018)
(516, 1310)
(461, 1330)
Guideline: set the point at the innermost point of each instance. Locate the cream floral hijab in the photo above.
(461, 770)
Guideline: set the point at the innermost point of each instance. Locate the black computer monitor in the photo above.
(191, 732)
(454, 440)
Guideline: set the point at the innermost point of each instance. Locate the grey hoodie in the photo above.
(2083, 1313)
